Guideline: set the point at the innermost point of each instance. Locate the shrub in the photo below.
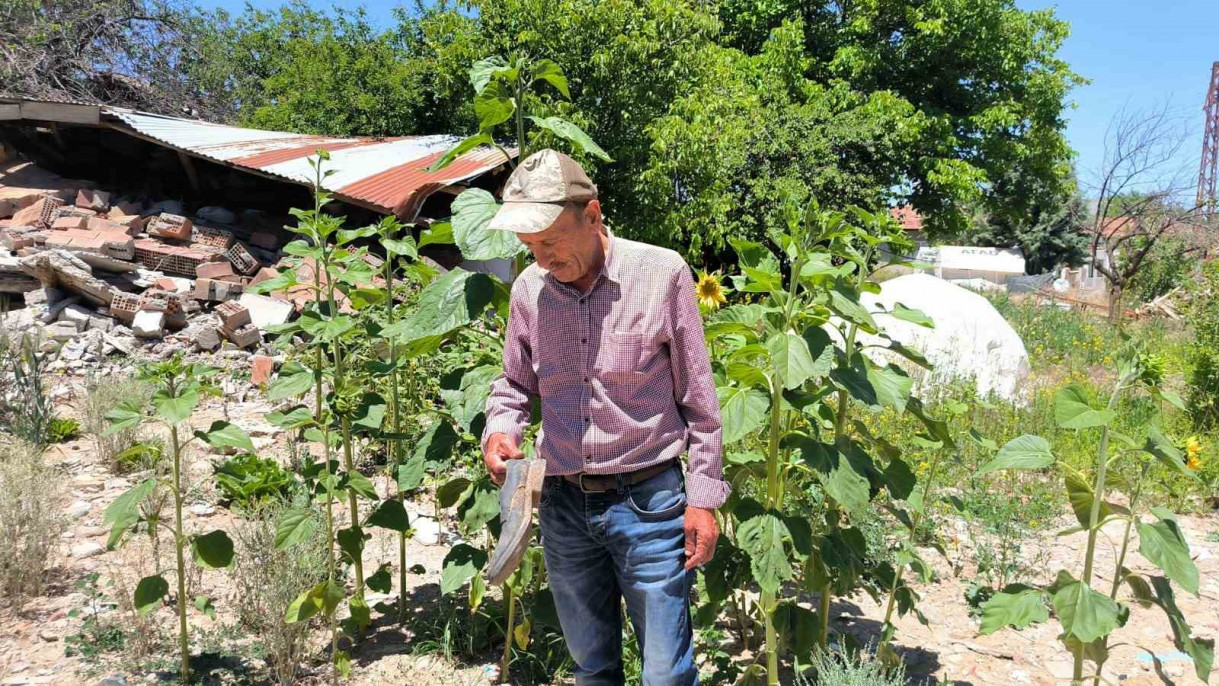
(62, 429)
(145, 455)
(268, 580)
(102, 396)
(247, 480)
(847, 668)
(25, 407)
(1204, 351)
(30, 518)
(1167, 267)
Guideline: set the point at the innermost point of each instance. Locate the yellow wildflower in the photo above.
(1193, 453)
(710, 292)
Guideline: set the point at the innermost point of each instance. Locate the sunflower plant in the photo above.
(791, 372)
(1089, 613)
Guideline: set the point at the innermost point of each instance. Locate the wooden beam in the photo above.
(10, 111)
(189, 167)
(61, 112)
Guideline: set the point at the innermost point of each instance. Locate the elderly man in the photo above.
(606, 332)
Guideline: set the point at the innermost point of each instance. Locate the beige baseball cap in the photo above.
(538, 190)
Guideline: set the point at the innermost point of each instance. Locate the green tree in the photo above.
(1050, 227)
(298, 69)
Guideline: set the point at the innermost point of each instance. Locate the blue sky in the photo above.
(1136, 54)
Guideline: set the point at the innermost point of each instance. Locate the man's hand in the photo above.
(701, 533)
(500, 447)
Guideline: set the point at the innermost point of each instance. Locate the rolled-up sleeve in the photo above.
(508, 405)
(694, 392)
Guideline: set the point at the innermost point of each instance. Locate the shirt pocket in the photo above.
(620, 352)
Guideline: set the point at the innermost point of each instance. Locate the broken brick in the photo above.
(214, 270)
(261, 367)
(243, 262)
(70, 222)
(233, 315)
(172, 226)
(244, 337)
(212, 238)
(124, 306)
(98, 201)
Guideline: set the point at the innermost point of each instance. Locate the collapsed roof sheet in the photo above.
(386, 174)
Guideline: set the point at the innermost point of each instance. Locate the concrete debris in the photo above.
(266, 312)
(60, 269)
(207, 339)
(103, 273)
(148, 324)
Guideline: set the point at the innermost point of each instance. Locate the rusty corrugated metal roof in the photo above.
(385, 174)
(389, 174)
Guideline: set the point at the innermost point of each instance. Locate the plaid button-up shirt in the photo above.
(622, 371)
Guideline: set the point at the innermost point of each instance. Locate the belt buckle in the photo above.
(584, 490)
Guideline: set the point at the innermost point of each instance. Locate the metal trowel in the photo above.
(520, 493)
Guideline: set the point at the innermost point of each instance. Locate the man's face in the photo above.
(568, 247)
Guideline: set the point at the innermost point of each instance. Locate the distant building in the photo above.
(969, 264)
(911, 222)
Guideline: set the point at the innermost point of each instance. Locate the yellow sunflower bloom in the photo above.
(1193, 453)
(710, 292)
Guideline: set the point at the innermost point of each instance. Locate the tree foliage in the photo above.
(712, 112)
(1050, 228)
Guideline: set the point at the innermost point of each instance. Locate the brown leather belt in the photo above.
(603, 483)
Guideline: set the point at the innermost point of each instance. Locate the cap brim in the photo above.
(525, 217)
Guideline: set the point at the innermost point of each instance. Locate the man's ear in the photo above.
(592, 214)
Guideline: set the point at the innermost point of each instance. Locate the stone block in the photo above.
(264, 311)
(148, 324)
(70, 222)
(62, 331)
(233, 315)
(172, 226)
(99, 323)
(207, 338)
(214, 270)
(90, 199)
(76, 315)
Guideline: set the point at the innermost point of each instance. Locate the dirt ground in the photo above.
(949, 648)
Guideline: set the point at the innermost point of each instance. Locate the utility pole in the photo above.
(1209, 169)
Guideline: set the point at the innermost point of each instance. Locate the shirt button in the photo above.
(584, 340)
(581, 301)
(588, 458)
(586, 379)
(587, 419)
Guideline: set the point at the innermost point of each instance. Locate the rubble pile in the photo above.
(100, 273)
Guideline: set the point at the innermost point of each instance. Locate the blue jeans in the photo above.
(603, 547)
